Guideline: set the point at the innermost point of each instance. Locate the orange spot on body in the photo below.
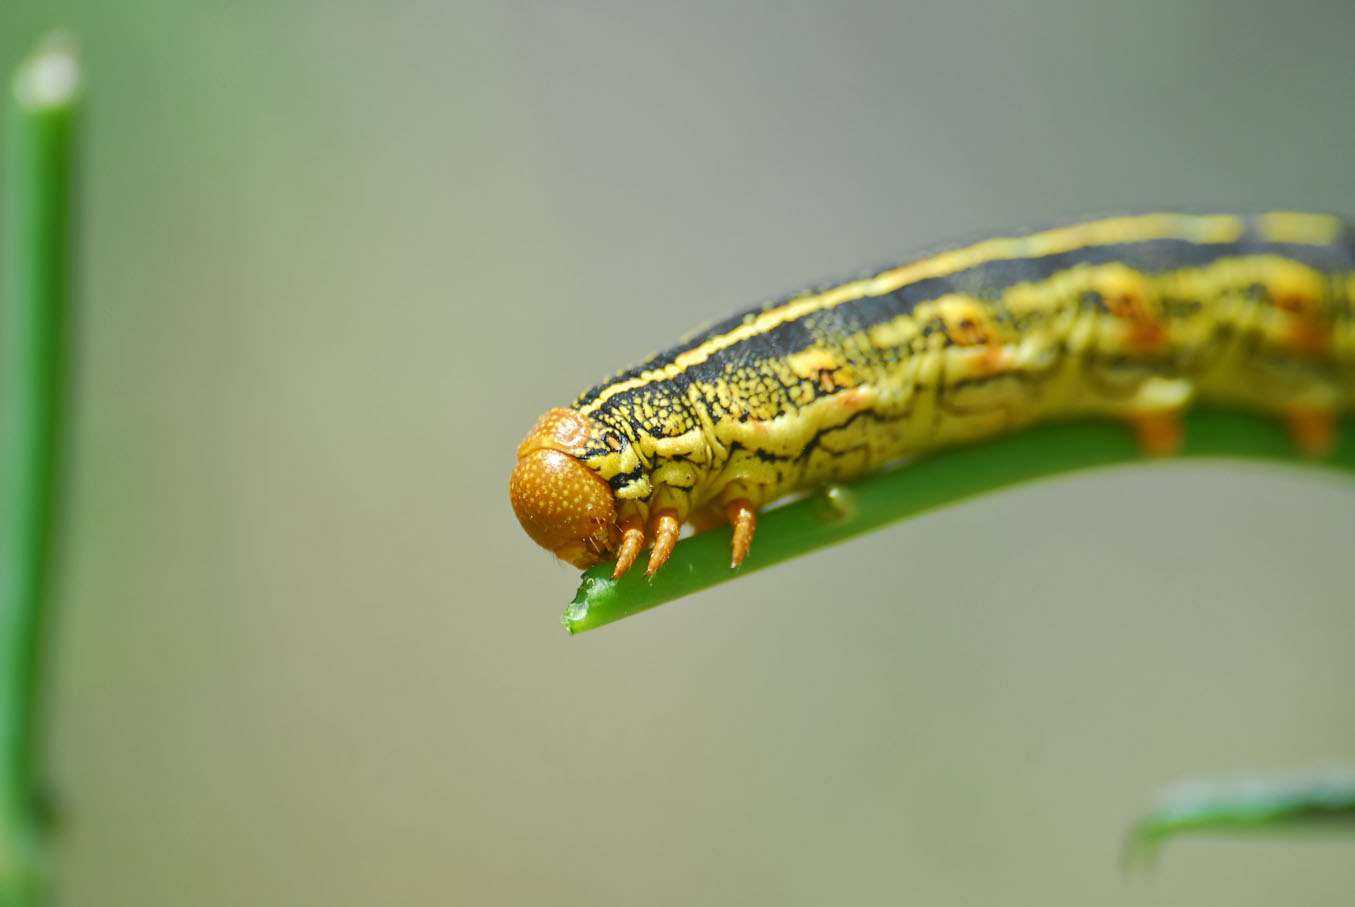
(965, 321)
(1293, 301)
(1143, 331)
(1147, 335)
(1307, 336)
(851, 400)
(993, 359)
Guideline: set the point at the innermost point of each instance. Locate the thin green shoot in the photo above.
(35, 283)
(1313, 802)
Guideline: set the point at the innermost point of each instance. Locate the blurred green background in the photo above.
(339, 256)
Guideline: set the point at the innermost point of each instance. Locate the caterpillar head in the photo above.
(562, 486)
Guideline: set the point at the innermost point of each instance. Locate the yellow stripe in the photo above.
(1215, 228)
(1310, 229)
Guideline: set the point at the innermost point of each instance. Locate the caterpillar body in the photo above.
(1129, 317)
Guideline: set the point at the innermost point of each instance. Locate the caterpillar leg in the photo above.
(666, 529)
(1155, 414)
(1159, 433)
(632, 540)
(743, 518)
(1313, 430)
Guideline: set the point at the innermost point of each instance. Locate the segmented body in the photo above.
(1131, 317)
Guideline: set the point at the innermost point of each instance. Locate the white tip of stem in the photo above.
(50, 77)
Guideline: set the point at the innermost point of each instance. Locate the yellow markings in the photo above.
(823, 367)
(809, 363)
(965, 318)
(1216, 228)
(1047, 296)
(1122, 288)
(1132, 333)
(1119, 330)
(897, 331)
(1291, 227)
(1295, 287)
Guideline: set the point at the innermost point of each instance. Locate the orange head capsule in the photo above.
(566, 505)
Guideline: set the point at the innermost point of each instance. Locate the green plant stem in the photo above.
(1316, 802)
(35, 280)
(928, 483)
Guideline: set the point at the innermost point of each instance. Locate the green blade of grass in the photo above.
(846, 510)
(1315, 802)
(35, 285)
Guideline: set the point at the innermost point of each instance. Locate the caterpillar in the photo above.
(1131, 318)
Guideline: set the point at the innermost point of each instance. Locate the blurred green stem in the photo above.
(926, 484)
(35, 285)
(1316, 801)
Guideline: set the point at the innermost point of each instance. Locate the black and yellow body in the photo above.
(1130, 317)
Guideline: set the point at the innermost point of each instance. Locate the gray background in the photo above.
(339, 256)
